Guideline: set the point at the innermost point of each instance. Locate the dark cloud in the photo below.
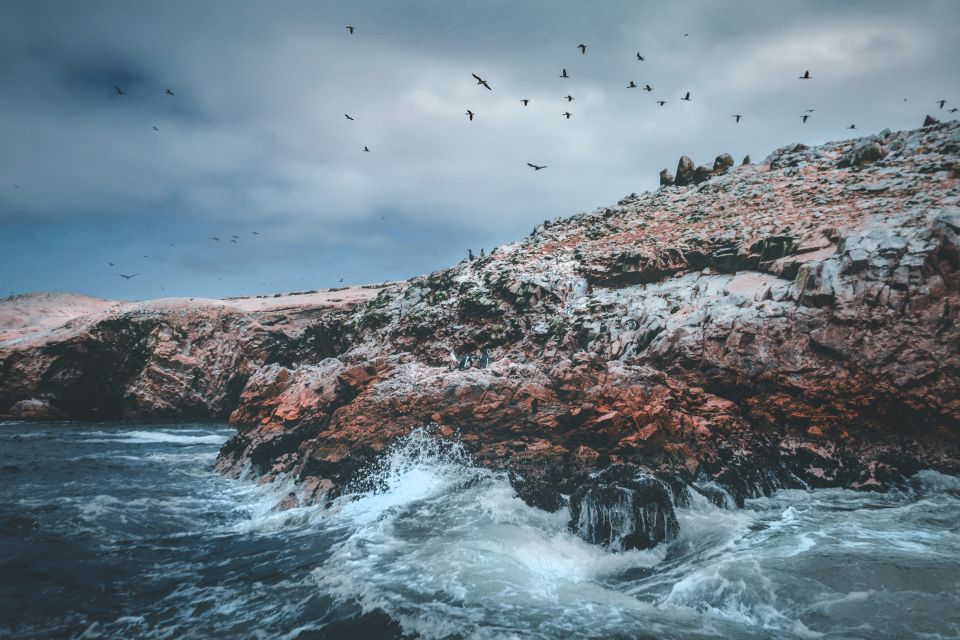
(255, 137)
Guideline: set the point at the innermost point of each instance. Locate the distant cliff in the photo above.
(788, 323)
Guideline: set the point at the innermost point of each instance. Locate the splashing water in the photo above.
(116, 532)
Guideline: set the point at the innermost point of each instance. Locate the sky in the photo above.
(253, 147)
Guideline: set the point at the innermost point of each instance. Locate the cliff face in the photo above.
(782, 323)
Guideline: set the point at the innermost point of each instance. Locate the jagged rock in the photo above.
(930, 121)
(701, 174)
(722, 163)
(622, 510)
(861, 154)
(746, 160)
(666, 178)
(684, 172)
(802, 314)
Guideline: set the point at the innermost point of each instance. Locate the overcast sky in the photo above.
(255, 137)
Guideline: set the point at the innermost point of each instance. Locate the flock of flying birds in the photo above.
(525, 102)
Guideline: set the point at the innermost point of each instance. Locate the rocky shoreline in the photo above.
(787, 323)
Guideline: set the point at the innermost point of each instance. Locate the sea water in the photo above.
(124, 531)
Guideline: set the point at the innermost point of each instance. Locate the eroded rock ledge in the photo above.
(787, 323)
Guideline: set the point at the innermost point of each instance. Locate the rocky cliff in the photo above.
(787, 323)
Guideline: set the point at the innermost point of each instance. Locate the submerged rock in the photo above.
(623, 510)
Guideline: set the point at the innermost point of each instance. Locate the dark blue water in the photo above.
(122, 531)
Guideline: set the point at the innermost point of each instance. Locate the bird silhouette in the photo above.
(647, 87)
(255, 233)
(804, 117)
(853, 126)
(155, 129)
(536, 167)
(564, 74)
(736, 116)
(569, 98)
(583, 48)
(567, 114)
(661, 102)
(640, 57)
(340, 280)
(126, 277)
(235, 236)
(168, 93)
(233, 241)
(470, 114)
(525, 102)
(632, 85)
(809, 110)
(366, 150)
(686, 97)
(806, 76)
(215, 238)
(120, 92)
(941, 103)
(350, 29)
(110, 263)
(953, 110)
(347, 116)
(481, 81)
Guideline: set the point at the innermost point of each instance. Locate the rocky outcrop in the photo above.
(666, 178)
(782, 324)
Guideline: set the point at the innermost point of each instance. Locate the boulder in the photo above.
(622, 509)
(684, 172)
(929, 121)
(746, 160)
(722, 163)
(666, 178)
(862, 153)
(702, 174)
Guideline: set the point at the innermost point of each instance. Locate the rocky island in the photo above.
(743, 328)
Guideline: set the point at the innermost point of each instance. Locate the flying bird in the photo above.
(110, 263)
(853, 126)
(804, 117)
(567, 114)
(941, 103)
(525, 102)
(481, 81)
(215, 238)
(168, 93)
(661, 102)
(120, 92)
(647, 87)
(536, 167)
(564, 74)
(736, 116)
(806, 76)
(366, 150)
(953, 110)
(470, 114)
(347, 116)
(233, 241)
(350, 29)
(235, 236)
(583, 48)
(126, 277)
(809, 110)
(155, 129)
(255, 233)
(686, 97)
(632, 85)
(569, 98)
(640, 57)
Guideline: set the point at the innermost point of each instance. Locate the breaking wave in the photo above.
(151, 544)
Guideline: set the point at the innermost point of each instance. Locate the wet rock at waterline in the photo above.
(621, 509)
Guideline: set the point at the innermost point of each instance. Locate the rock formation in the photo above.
(787, 323)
